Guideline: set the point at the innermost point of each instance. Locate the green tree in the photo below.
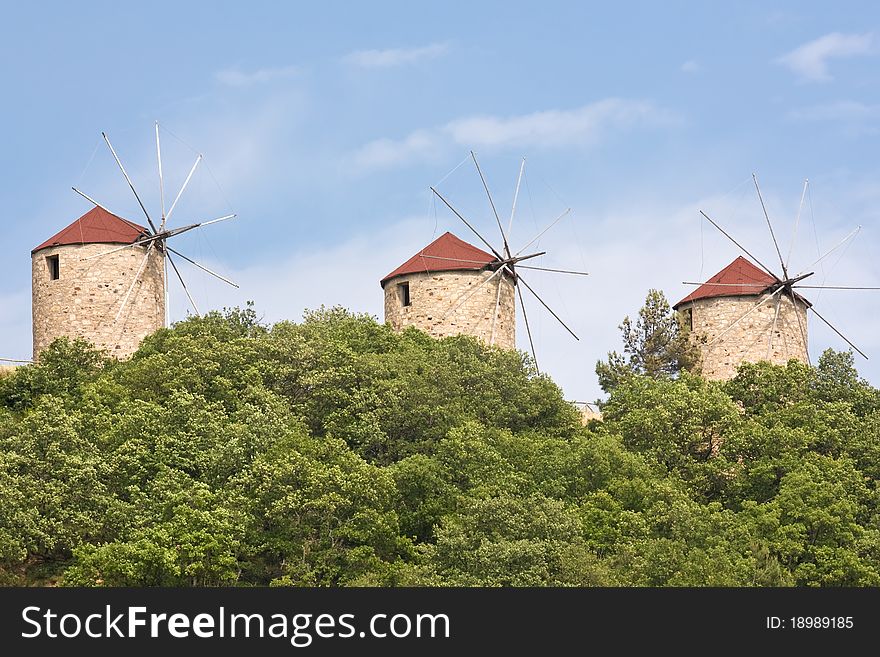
(658, 345)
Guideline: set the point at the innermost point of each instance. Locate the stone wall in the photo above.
(83, 302)
(748, 341)
(434, 296)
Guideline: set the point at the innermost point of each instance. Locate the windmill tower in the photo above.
(104, 278)
(748, 313)
(431, 292)
(77, 295)
(451, 287)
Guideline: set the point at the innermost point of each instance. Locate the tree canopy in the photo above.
(335, 452)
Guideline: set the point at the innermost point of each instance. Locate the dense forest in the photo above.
(335, 452)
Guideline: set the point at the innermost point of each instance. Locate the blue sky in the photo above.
(324, 124)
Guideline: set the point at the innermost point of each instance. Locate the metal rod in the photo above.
(746, 314)
(130, 184)
(161, 183)
(134, 281)
(15, 360)
(185, 183)
(773, 328)
(803, 329)
(558, 271)
(758, 285)
(723, 232)
(852, 234)
(466, 223)
(219, 219)
(185, 289)
(492, 203)
(152, 238)
(549, 309)
(536, 237)
(515, 197)
(835, 287)
(514, 260)
(770, 226)
(95, 203)
(495, 314)
(797, 220)
(522, 305)
(839, 333)
(165, 274)
(476, 262)
(202, 267)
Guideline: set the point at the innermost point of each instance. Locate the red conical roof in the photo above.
(738, 279)
(446, 253)
(97, 226)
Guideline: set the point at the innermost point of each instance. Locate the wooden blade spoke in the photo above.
(801, 328)
(96, 204)
(549, 309)
(742, 248)
(836, 287)
(522, 305)
(130, 184)
(202, 267)
(770, 226)
(185, 288)
(515, 197)
(495, 314)
(773, 328)
(183, 187)
(161, 182)
(467, 223)
(492, 203)
(135, 280)
(557, 271)
(831, 326)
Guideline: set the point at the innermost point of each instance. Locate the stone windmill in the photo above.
(104, 278)
(747, 312)
(451, 287)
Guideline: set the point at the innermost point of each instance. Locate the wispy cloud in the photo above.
(235, 77)
(395, 56)
(843, 111)
(691, 66)
(580, 127)
(810, 60)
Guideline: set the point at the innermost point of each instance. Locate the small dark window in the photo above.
(54, 269)
(403, 291)
(689, 318)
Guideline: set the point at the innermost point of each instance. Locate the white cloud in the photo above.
(395, 56)
(234, 77)
(691, 66)
(810, 60)
(844, 110)
(583, 126)
(387, 152)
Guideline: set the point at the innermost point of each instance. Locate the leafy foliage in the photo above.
(658, 346)
(334, 452)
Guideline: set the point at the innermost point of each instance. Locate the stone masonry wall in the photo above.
(434, 295)
(748, 341)
(83, 302)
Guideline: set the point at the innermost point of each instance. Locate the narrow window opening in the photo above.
(403, 292)
(54, 267)
(689, 318)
